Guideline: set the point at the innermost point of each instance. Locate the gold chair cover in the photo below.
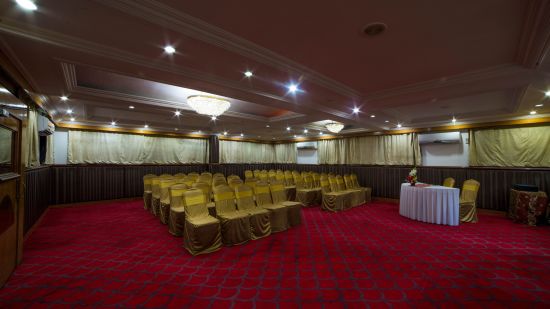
(256, 174)
(180, 175)
(248, 174)
(333, 201)
(176, 220)
(217, 181)
(259, 218)
(201, 231)
(155, 196)
(468, 196)
(449, 182)
(294, 209)
(218, 175)
(278, 212)
(289, 180)
(356, 185)
(164, 205)
(358, 196)
(147, 191)
(235, 224)
(306, 193)
(207, 191)
(233, 183)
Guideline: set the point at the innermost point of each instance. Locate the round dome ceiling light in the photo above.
(374, 29)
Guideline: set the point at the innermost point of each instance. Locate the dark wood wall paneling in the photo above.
(63, 184)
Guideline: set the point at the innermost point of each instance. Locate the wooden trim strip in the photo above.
(130, 131)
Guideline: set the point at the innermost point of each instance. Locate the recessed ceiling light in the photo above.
(27, 5)
(69, 111)
(214, 118)
(532, 112)
(224, 132)
(267, 126)
(288, 128)
(320, 133)
(4, 90)
(372, 116)
(64, 98)
(356, 110)
(113, 123)
(146, 126)
(305, 130)
(539, 105)
(169, 49)
(294, 136)
(399, 125)
(454, 120)
(72, 119)
(386, 121)
(175, 129)
(242, 135)
(248, 74)
(547, 93)
(292, 88)
(177, 113)
(131, 107)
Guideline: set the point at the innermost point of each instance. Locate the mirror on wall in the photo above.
(12, 110)
(6, 145)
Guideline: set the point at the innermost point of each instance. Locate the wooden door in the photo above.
(11, 206)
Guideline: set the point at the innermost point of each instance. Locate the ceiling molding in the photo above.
(165, 16)
(129, 131)
(534, 44)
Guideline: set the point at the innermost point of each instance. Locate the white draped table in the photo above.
(433, 204)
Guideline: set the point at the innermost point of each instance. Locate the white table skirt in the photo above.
(433, 204)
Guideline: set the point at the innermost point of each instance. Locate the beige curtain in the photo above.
(518, 147)
(399, 149)
(115, 148)
(5, 145)
(246, 152)
(50, 156)
(31, 141)
(285, 153)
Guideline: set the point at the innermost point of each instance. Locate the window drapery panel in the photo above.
(285, 153)
(31, 140)
(115, 148)
(513, 147)
(399, 149)
(50, 155)
(246, 152)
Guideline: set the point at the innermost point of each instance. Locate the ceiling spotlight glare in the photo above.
(547, 93)
(305, 130)
(175, 129)
(27, 5)
(292, 88)
(69, 111)
(454, 120)
(288, 128)
(399, 125)
(294, 136)
(64, 98)
(146, 126)
(169, 49)
(539, 105)
(214, 118)
(356, 110)
(113, 123)
(532, 112)
(131, 107)
(177, 113)
(224, 132)
(242, 135)
(321, 133)
(372, 116)
(386, 121)
(267, 126)
(248, 74)
(72, 119)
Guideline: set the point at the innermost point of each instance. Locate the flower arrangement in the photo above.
(412, 177)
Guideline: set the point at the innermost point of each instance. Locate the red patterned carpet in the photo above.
(117, 254)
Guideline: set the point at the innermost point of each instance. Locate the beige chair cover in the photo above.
(256, 174)
(176, 220)
(218, 175)
(218, 181)
(207, 191)
(193, 175)
(294, 209)
(264, 176)
(468, 196)
(248, 174)
(279, 212)
(449, 182)
(358, 196)
(155, 196)
(164, 205)
(189, 180)
(233, 183)
(356, 185)
(306, 193)
(207, 179)
(251, 182)
(272, 175)
(201, 231)
(259, 218)
(289, 180)
(334, 201)
(232, 176)
(235, 224)
(148, 191)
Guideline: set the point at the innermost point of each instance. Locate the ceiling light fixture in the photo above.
(207, 105)
(454, 120)
(146, 126)
(288, 128)
(72, 119)
(248, 74)
(356, 110)
(334, 127)
(214, 118)
(320, 132)
(177, 113)
(64, 98)
(169, 49)
(242, 135)
(69, 111)
(399, 125)
(305, 131)
(175, 129)
(131, 107)
(4, 90)
(267, 126)
(292, 88)
(532, 112)
(386, 121)
(294, 136)
(372, 116)
(224, 132)
(547, 93)
(539, 105)
(113, 123)
(27, 5)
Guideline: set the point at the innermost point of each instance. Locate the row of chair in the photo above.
(468, 197)
(236, 216)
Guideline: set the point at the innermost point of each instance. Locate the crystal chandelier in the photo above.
(334, 127)
(207, 105)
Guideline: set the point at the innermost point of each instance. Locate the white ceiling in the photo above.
(478, 61)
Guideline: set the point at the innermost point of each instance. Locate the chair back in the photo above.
(193, 175)
(251, 182)
(155, 187)
(278, 194)
(248, 174)
(355, 181)
(176, 196)
(280, 177)
(469, 191)
(205, 188)
(189, 181)
(224, 198)
(218, 181)
(316, 180)
(271, 174)
(289, 180)
(233, 183)
(166, 175)
(299, 182)
(218, 175)
(147, 182)
(179, 175)
(340, 183)
(348, 182)
(333, 184)
(206, 173)
(232, 176)
(449, 182)
(207, 179)
(264, 176)
(263, 196)
(195, 204)
(245, 197)
(256, 174)
(324, 184)
(165, 185)
(308, 181)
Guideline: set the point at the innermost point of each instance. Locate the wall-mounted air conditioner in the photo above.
(440, 138)
(306, 145)
(45, 126)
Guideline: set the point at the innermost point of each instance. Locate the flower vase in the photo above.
(413, 184)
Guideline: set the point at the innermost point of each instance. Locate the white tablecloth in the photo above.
(433, 204)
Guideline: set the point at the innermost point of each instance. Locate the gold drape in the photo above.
(5, 145)
(31, 141)
(285, 153)
(50, 155)
(398, 149)
(246, 152)
(519, 147)
(115, 148)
